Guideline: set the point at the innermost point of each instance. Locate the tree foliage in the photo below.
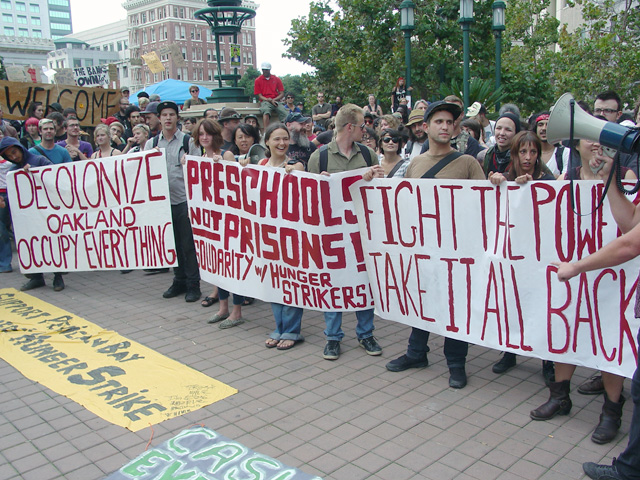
(248, 80)
(357, 48)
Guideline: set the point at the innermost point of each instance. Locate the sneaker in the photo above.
(602, 472)
(403, 363)
(331, 350)
(34, 282)
(370, 344)
(506, 363)
(593, 386)
(174, 290)
(457, 377)
(58, 283)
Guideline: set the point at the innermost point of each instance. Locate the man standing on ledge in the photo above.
(439, 161)
(342, 154)
(269, 90)
(186, 276)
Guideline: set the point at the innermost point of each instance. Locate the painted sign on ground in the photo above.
(286, 238)
(471, 261)
(119, 380)
(91, 104)
(112, 213)
(202, 454)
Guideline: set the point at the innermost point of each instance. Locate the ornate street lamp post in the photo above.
(498, 27)
(225, 17)
(407, 25)
(466, 18)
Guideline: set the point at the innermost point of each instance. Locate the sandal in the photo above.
(290, 346)
(208, 301)
(271, 343)
(248, 301)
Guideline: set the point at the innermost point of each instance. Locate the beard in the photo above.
(300, 138)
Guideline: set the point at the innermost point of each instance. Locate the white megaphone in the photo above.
(608, 134)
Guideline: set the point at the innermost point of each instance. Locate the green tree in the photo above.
(602, 54)
(247, 81)
(293, 84)
(3, 72)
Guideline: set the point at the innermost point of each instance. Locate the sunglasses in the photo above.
(193, 91)
(391, 139)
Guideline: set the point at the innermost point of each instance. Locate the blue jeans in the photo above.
(364, 327)
(5, 237)
(455, 351)
(224, 294)
(288, 322)
(628, 462)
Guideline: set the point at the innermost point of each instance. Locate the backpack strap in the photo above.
(324, 158)
(156, 139)
(185, 143)
(433, 171)
(559, 159)
(364, 150)
(42, 152)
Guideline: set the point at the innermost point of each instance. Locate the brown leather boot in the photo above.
(610, 420)
(559, 402)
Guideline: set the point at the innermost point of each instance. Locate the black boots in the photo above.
(610, 419)
(559, 402)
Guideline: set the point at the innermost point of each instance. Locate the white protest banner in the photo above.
(112, 213)
(286, 238)
(96, 76)
(471, 261)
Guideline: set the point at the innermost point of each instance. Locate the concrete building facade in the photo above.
(154, 24)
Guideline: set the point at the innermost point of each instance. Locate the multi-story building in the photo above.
(154, 24)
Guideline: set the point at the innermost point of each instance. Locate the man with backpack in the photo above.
(440, 161)
(186, 276)
(344, 153)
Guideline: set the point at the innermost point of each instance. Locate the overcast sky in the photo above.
(273, 21)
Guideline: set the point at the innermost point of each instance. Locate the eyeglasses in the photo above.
(194, 91)
(366, 138)
(391, 139)
(605, 111)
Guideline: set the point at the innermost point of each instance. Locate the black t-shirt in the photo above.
(299, 154)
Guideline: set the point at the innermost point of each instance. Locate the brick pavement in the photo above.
(344, 420)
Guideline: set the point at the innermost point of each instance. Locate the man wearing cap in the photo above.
(439, 122)
(150, 115)
(478, 112)
(142, 94)
(229, 119)
(194, 90)
(321, 112)
(345, 153)
(121, 115)
(418, 135)
(269, 90)
(47, 148)
(300, 147)
(186, 276)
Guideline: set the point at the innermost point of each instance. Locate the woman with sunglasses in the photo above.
(391, 144)
(370, 138)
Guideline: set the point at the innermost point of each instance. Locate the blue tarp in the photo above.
(171, 89)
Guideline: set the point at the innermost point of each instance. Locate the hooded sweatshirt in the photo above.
(28, 158)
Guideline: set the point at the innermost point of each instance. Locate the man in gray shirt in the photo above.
(186, 276)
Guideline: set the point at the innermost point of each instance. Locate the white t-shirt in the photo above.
(552, 164)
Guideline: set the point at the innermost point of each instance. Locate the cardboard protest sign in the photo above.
(472, 261)
(153, 62)
(112, 213)
(16, 73)
(176, 55)
(64, 76)
(201, 453)
(286, 238)
(95, 76)
(91, 104)
(117, 379)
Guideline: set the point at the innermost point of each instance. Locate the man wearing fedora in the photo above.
(229, 119)
(269, 90)
(418, 135)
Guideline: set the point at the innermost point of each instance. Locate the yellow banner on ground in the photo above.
(119, 380)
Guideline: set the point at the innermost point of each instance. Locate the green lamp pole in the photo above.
(466, 18)
(407, 25)
(498, 27)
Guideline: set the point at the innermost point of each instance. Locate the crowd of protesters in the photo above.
(405, 142)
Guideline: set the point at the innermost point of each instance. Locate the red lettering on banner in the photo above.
(135, 183)
(234, 199)
(289, 243)
(231, 228)
(451, 189)
(384, 307)
(402, 185)
(290, 198)
(516, 294)
(357, 248)
(565, 191)
(583, 295)
(556, 311)
(269, 195)
(491, 291)
(435, 216)
(327, 211)
(246, 235)
(349, 216)
(195, 175)
(418, 258)
(331, 251)
(483, 213)
(267, 230)
(217, 182)
(536, 188)
(311, 250)
(596, 285)
(251, 175)
(625, 329)
(310, 201)
(391, 282)
(388, 226)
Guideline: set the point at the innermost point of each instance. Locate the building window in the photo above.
(183, 32)
(193, 33)
(21, 7)
(144, 37)
(125, 72)
(56, 14)
(166, 34)
(250, 58)
(36, 33)
(221, 56)
(209, 55)
(248, 39)
(210, 75)
(5, 4)
(64, 3)
(7, 18)
(152, 15)
(119, 46)
(177, 27)
(88, 62)
(22, 19)
(23, 32)
(184, 52)
(153, 34)
(60, 26)
(198, 34)
(35, 21)
(9, 31)
(181, 12)
(33, 8)
(143, 17)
